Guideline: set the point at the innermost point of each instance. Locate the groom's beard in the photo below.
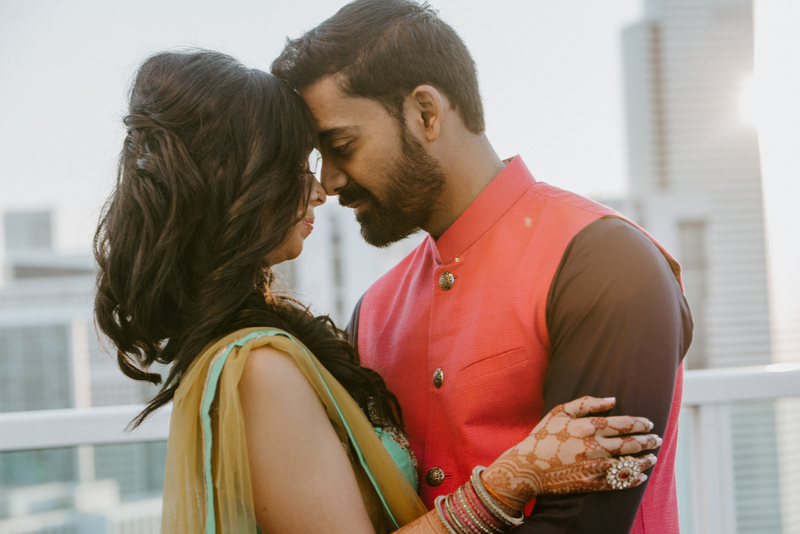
(414, 184)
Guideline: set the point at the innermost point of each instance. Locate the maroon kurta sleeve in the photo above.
(619, 325)
(352, 327)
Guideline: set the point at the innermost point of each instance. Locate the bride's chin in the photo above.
(284, 254)
(291, 248)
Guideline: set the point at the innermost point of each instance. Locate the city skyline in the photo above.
(696, 184)
(550, 77)
(339, 265)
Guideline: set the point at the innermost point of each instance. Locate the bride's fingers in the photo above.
(592, 476)
(586, 405)
(624, 446)
(610, 447)
(647, 461)
(621, 424)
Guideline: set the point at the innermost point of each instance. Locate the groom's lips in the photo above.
(352, 203)
(359, 206)
(352, 195)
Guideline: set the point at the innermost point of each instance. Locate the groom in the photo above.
(522, 297)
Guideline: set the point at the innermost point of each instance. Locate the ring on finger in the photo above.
(623, 473)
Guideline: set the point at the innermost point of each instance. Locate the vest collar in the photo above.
(493, 202)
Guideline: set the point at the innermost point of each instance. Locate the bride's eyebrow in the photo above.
(327, 135)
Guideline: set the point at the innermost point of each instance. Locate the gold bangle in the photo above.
(498, 497)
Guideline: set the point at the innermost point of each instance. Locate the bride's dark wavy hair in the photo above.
(211, 179)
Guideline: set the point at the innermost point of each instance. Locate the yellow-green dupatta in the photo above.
(207, 485)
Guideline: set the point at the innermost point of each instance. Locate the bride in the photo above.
(275, 425)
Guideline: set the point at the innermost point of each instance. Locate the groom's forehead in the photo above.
(325, 96)
(338, 131)
(337, 112)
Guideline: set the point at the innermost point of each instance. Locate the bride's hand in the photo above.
(570, 453)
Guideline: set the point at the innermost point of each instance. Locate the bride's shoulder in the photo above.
(272, 375)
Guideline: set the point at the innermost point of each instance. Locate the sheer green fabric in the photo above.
(207, 454)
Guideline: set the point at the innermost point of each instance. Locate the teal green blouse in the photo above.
(397, 445)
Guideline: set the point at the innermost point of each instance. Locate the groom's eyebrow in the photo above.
(330, 133)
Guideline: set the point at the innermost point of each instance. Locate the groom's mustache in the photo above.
(352, 193)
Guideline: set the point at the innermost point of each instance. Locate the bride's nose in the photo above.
(317, 195)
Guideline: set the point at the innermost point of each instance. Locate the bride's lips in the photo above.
(309, 224)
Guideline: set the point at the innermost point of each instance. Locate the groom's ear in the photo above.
(424, 109)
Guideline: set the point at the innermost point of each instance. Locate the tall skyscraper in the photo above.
(695, 168)
(696, 185)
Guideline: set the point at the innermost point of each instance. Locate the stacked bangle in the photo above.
(437, 504)
(482, 512)
(486, 499)
(471, 509)
(480, 526)
(498, 497)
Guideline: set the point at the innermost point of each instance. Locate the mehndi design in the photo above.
(565, 453)
(570, 453)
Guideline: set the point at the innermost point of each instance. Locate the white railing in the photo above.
(707, 389)
(707, 398)
(708, 395)
(741, 384)
(49, 429)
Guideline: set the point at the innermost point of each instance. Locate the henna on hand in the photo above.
(569, 453)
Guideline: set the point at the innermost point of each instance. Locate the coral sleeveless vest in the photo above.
(457, 329)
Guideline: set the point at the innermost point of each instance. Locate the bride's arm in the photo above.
(303, 482)
(301, 476)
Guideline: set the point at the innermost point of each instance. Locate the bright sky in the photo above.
(550, 73)
(777, 110)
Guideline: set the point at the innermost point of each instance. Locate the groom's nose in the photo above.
(332, 178)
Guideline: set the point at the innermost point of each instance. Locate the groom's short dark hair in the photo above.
(384, 49)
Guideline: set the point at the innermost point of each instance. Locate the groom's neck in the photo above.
(469, 166)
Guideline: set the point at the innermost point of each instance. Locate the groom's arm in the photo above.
(619, 326)
(352, 327)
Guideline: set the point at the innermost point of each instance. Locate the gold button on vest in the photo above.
(447, 280)
(438, 378)
(435, 477)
